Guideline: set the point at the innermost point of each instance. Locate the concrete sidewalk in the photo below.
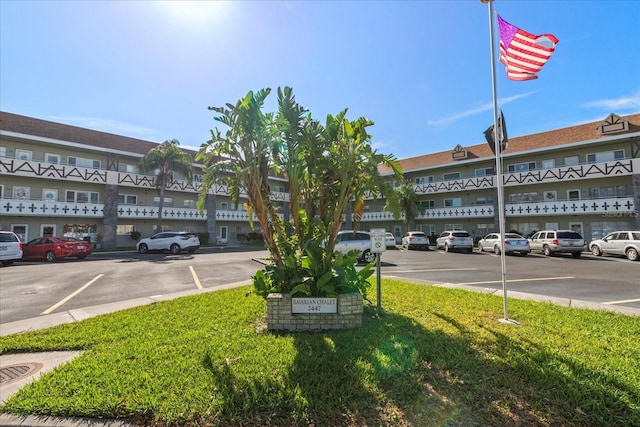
(20, 369)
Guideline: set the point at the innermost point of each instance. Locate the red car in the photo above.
(52, 248)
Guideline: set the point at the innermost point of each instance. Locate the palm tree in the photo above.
(409, 204)
(164, 160)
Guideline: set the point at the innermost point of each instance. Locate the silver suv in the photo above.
(10, 247)
(551, 241)
(360, 241)
(173, 241)
(451, 240)
(625, 243)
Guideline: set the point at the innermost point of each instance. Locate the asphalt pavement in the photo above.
(20, 369)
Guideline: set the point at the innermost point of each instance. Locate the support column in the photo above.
(110, 216)
(210, 206)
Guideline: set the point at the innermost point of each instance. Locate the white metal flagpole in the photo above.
(498, 175)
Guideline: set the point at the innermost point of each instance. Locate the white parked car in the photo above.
(415, 239)
(625, 243)
(451, 240)
(348, 240)
(513, 243)
(390, 239)
(10, 247)
(173, 241)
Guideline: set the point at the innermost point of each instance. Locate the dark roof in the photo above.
(583, 132)
(46, 129)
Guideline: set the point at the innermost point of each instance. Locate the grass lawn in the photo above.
(435, 357)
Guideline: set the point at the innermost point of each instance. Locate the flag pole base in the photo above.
(509, 321)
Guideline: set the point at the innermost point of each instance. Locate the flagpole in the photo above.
(498, 175)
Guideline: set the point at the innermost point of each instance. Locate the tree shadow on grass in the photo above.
(394, 371)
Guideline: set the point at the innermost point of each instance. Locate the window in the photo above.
(428, 229)
(224, 206)
(23, 154)
(1, 191)
(605, 156)
(531, 197)
(3, 151)
(72, 196)
(608, 191)
(522, 167)
(451, 176)
(168, 202)
(485, 200)
(127, 199)
(123, 167)
(83, 163)
(484, 172)
(455, 202)
(54, 159)
(548, 164)
(423, 180)
(427, 204)
(190, 204)
(453, 227)
(573, 194)
(125, 228)
(571, 161)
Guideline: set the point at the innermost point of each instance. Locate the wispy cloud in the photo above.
(622, 103)
(104, 125)
(481, 109)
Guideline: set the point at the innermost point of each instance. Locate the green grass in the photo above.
(435, 357)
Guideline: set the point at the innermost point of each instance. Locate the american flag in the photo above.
(523, 53)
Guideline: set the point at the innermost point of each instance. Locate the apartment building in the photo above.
(57, 179)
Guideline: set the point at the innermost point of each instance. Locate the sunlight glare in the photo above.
(196, 12)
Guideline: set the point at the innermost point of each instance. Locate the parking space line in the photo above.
(91, 282)
(431, 270)
(195, 277)
(518, 280)
(624, 301)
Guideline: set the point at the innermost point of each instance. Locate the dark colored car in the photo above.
(53, 248)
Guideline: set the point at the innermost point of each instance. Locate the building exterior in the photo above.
(57, 179)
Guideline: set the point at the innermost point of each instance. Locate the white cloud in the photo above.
(481, 109)
(104, 125)
(622, 103)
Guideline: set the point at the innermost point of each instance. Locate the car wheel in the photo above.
(50, 256)
(175, 249)
(496, 250)
(632, 254)
(480, 247)
(595, 250)
(368, 256)
(82, 257)
(547, 251)
(143, 248)
(447, 248)
(576, 254)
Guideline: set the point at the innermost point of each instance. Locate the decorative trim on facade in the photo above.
(459, 153)
(613, 124)
(454, 185)
(571, 173)
(623, 205)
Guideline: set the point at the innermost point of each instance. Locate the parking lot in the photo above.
(32, 289)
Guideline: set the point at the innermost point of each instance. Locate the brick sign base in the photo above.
(280, 317)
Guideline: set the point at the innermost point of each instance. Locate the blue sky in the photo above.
(421, 70)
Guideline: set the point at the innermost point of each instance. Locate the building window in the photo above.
(423, 180)
(124, 229)
(427, 204)
(485, 200)
(83, 163)
(72, 196)
(549, 164)
(190, 204)
(168, 202)
(610, 191)
(531, 197)
(23, 154)
(453, 203)
(3, 151)
(54, 159)
(522, 167)
(127, 199)
(123, 167)
(571, 161)
(451, 176)
(453, 227)
(573, 194)
(605, 156)
(484, 172)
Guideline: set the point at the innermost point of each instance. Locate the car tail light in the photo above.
(507, 242)
(451, 238)
(20, 244)
(554, 241)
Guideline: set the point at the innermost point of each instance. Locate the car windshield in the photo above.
(513, 236)
(461, 234)
(418, 234)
